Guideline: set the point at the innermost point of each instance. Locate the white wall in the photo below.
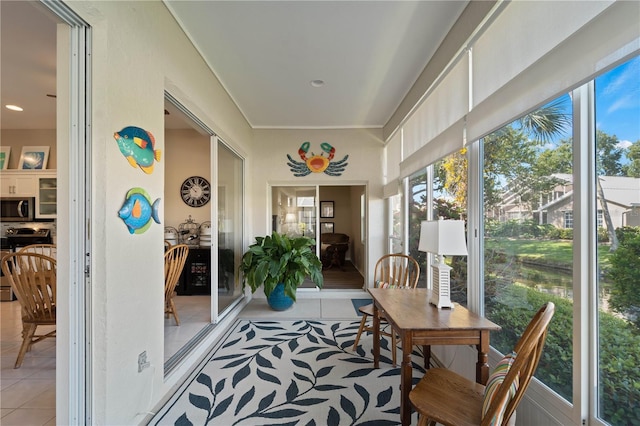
(17, 138)
(187, 153)
(138, 52)
(364, 147)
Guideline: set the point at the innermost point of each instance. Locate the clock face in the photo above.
(195, 191)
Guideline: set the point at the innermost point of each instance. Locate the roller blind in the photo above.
(445, 143)
(437, 119)
(393, 155)
(528, 54)
(564, 44)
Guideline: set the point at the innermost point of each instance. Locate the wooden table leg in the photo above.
(426, 351)
(406, 373)
(376, 336)
(482, 366)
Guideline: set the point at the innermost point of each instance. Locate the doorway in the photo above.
(332, 215)
(55, 101)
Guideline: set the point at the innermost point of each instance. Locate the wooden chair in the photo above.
(447, 398)
(33, 279)
(393, 271)
(46, 249)
(174, 260)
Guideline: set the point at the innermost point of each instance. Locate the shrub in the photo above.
(619, 358)
(624, 275)
(626, 232)
(566, 233)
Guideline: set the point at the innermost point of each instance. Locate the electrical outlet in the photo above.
(142, 361)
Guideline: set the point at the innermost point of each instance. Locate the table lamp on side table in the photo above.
(442, 237)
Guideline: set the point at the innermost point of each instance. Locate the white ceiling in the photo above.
(27, 66)
(265, 53)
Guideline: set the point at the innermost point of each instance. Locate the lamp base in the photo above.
(440, 295)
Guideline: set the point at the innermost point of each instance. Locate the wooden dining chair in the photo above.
(174, 260)
(447, 398)
(46, 249)
(33, 279)
(395, 272)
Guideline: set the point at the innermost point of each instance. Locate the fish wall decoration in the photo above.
(317, 163)
(138, 147)
(137, 211)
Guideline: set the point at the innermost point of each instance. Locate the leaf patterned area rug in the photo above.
(299, 372)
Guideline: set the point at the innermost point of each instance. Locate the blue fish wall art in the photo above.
(137, 211)
(138, 147)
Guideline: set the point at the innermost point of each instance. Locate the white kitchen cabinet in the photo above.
(40, 185)
(17, 183)
(47, 196)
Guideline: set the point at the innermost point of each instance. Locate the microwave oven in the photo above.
(17, 209)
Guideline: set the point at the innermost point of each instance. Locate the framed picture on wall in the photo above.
(326, 228)
(5, 152)
(326, 209)
(34, 158)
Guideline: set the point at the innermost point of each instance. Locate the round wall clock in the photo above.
(195, 191)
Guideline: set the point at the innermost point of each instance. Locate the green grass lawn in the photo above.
(553, 251)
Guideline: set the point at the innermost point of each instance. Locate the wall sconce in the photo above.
(442, 237)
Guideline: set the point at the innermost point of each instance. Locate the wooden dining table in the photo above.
(418, 322)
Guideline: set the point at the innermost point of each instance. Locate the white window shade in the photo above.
(439, 147)
(440, 114)
(393, 155)
(566, 44)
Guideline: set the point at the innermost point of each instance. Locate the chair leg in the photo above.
(360, 330)
(174, 311)
(29, 331)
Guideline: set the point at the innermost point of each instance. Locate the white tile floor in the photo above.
(27, 394)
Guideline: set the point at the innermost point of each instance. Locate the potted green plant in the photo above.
(280, 264)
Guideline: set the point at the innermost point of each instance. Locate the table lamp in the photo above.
(290, 220)
(442, 237)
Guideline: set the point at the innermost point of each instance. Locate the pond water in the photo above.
(547, 280)
(553, 281)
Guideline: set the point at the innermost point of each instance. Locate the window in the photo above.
(600, 219)
(396, 234)
(568, 220)
(617, 147)
(418, 202)
(528, 258)
(230, 202)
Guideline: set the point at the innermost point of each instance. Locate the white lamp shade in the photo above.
(290, 218)
(443, 237)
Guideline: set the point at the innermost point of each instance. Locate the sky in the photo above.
(618, 102)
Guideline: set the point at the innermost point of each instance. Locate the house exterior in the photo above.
(621, 193)
(111, 312)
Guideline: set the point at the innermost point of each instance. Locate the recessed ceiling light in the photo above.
(317, 83)
(14, 108)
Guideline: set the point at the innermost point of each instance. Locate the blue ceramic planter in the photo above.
(278, 300)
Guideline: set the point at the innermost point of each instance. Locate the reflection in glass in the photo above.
(230, 183)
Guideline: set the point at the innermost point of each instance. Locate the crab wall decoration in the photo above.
(317, 163)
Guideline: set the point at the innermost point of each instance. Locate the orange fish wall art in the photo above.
(138, 147)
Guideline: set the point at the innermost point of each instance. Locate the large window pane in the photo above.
(618, 223)
(528, 211)
(418, 202)
(395, 213)
(449, 202)
(230, 184)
